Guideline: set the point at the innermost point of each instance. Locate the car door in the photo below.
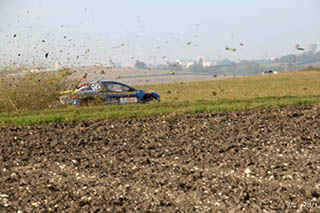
(119, 93)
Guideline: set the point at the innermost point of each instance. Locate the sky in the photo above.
(82, 32)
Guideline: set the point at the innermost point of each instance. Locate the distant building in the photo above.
(189, 64)
(185, 63)
(201, 60)
(310, 47)
(204, 61)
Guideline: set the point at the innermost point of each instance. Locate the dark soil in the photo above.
(264, 160)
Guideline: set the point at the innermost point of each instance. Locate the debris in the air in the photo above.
(103, 72)
(46, 55)
(64, 36)
(189, 43)
(85, 75)
(231, 49)
(14, 35)
(298, 47)
(116, 47)
(19, 54)
(241, 44)
(43, 41)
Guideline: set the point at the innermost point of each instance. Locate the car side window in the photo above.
(125, 89)
(111, 87)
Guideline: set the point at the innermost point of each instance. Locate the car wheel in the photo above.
(148, 99)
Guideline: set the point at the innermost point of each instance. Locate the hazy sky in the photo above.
(91, 32)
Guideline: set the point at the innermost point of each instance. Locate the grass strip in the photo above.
(155, 109)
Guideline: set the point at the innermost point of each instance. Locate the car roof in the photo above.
(104, 81)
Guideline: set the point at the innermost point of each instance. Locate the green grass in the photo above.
(145, 110)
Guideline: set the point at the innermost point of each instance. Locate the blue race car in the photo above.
(108, 92)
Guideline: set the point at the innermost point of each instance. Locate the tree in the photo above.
(174, 66)
(196, 68)
(140, 65)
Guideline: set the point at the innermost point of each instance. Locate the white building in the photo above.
(201, 60)
(185, 63)
(204, 61)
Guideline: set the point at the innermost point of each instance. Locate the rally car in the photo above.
(108, 92)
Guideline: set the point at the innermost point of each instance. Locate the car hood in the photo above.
(148, 91)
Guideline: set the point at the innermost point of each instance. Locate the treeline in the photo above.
(301, 59)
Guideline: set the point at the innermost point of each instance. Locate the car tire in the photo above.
(148, 99)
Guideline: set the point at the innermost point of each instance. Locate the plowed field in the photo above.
(264, 160)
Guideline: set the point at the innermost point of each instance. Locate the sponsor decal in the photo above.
(129, 100)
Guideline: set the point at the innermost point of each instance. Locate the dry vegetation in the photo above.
(31, 91)
(300, 83)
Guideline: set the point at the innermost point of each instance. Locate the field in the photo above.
(235, 145)
(296, 88)
(302, 83)
(262, 160)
